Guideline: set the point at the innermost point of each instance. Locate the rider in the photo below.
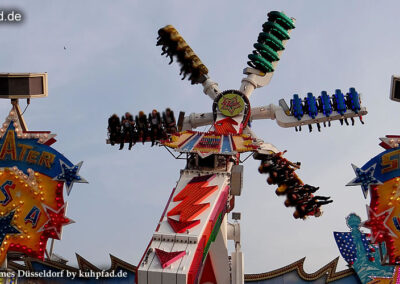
(169, 121)
(155, 126)
(142, 126)
(128, 130)
(114, 128)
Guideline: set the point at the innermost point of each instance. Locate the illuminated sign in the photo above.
(231, 103)
(381, 177)
(32, 177)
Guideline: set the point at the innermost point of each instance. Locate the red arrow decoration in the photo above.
(191, 196)
(167, 258)
(225, 126)
(182, 226)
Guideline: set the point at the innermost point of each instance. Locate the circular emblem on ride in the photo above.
(231, 103)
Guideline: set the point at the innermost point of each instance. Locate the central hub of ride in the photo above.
(231, 103)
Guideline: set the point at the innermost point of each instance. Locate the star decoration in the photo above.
(29, 170)
(390, 141)
(6, 227)
(43, 137)
(230, 104)
(56, 220)
(70, 175)
(365, 178)
(378, 225)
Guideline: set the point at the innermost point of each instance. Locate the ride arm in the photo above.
(299, 195)
(286, 119)
(267, 51)
(174, 46)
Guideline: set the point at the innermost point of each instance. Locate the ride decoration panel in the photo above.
(207, 143)
(32, 177)
(376, 256)
(381, 177)
(188, 226)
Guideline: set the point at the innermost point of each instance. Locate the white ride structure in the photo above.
(190, 243)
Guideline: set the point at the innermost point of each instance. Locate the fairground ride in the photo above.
(190, 243)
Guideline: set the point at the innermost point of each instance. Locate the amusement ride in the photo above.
(190, 243)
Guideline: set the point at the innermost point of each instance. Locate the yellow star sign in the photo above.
(231, 104)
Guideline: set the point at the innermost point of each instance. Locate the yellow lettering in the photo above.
(9, 146)
(47, 159)
(23, 151)
(390, 161)
(32, 156)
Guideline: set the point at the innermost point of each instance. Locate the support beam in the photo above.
(210, 88)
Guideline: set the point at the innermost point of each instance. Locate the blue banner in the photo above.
(387, 165)
(27, 153)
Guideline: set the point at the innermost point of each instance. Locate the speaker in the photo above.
(23, 85)
(395, 89)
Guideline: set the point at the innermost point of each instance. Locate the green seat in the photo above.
(270, 40)
(283, 20)
(276, 30)
(260, 63)
(267, 52)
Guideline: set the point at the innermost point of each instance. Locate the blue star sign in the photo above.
(6, 227)
(365, 178)
(69, 174)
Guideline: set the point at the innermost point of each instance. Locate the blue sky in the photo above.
(111, 65)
